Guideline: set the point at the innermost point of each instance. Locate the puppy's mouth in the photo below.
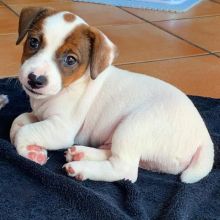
(32, 91)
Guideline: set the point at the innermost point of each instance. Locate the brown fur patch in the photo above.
(69, 17)
(76, 43)
(27, 51)
(101, 52)
(35, 30)
(67, 80)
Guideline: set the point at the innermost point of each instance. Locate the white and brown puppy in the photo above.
(116, 120)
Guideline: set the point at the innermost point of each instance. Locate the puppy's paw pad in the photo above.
(78, 156)
(73, 172)
(34, 148)
(37, 154)
(72, 149)
(70, 170)
(72, 154)
(41, 158)
(32, 155)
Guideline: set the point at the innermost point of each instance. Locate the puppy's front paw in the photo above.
(74, 169)
(34, 153)
(26, 147)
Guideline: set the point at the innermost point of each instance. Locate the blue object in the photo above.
(164, 5)
(29, 191)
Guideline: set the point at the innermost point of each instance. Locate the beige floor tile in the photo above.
(94, 14)
(8, 21)
(204, 32)
(194, 75)
(205, 8)
(9, 56)
(144, 42)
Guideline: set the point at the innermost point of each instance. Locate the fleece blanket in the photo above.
(29, 191)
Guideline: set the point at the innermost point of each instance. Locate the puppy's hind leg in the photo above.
(200, 165)
(124, 159)
(117, 164)
(107, 170)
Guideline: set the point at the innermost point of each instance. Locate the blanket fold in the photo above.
(30, 191)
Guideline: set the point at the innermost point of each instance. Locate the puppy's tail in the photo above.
(200, 165)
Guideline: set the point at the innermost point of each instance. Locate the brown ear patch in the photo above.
(103, 52)
(69, 17)
(29, 17)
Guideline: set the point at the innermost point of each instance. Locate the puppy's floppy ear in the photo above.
(103, 52)
(27, 17)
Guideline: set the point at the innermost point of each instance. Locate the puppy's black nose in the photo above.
(36, 82)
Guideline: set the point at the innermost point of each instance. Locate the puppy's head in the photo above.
(58, 50)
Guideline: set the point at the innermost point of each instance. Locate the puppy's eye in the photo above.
(69, 61)
(34, 43)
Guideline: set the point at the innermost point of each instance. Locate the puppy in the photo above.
(116, 120)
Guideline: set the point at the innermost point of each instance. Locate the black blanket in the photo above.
(30, 191)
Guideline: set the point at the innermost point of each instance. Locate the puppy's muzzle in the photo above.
(37, 82)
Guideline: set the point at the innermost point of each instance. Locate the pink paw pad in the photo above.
(72, 149)
(34, 148)
(73, 155)
(41, 158)
(70, 170)
(78, 156)
(37, 154)
(32, 155)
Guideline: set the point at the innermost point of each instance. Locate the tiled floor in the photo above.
(181, 48)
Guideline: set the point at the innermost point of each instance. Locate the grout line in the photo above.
(215, 1)
(214, 53)
(189, 18)
(8, 7)
(165, 59)
(115, 25)
(167, 31)
(217, 55)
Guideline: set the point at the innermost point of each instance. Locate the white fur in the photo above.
(137, 117)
